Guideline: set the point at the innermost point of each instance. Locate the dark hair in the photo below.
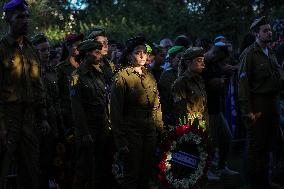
(219, 54)
(65, 52)
(182, 40)
(206, 43)
(124, 58)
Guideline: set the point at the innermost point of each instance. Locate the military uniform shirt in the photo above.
(134, 104)
(20, 80)
(259, 75)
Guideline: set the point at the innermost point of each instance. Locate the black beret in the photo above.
(89, 44)
(193, 52)
(38, 39)
(259, 22)
(134, 42)
(96, 32)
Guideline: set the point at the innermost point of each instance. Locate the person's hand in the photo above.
(44, 127)
(254, 117)
(87, 139)
(228, 69)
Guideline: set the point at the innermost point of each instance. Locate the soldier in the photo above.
(259, 88)
(189, 89)
(108, 69)
(136, 116)
(88, 97)
(49, 76)
(64, 71)
(107, 66)
(22, 106)
(165, 85)
(155, 66)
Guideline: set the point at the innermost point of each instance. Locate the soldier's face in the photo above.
(159, 58)
(103, 40)
(97, 55)
(150, 58)
(139, 56)
(44, 51)
(18, 21)
(73, 49)
(265, 33)
(197, 65)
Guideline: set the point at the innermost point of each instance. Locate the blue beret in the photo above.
(220, 44)
(219, 37)
(13, 4)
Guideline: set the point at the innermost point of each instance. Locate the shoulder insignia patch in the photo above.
(74, 80)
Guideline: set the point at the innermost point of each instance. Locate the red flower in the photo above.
(180, 130)
(162, 166)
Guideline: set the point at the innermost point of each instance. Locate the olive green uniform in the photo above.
(64, 71)
(259, 87)
(189, 96)
(108, 70)
(136, 115)
(165, 88)
(48, 142)
(50, 81)
(22, 107)
(88, 97)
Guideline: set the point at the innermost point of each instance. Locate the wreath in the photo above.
(185, 155)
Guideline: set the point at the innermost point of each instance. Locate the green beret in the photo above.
(38, 39)
(193, 52)
(175, 49)
(96, 32)
(89, 44)
(259, 22)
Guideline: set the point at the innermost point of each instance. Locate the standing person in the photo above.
(50, 81)
(88, 97)
(49, 77)
(259, 88)
(189, 89)
(166, 81)
(22, 106)
(216, 74)
(155, 66)
(136, 116)
(64, 71)
(106, 65)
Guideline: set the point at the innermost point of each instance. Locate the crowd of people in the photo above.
(70, 111)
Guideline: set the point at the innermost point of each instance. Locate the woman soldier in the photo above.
(88, 100)
(189, 89)
(136, 116)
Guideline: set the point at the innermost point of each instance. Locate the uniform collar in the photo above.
(258, 48)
